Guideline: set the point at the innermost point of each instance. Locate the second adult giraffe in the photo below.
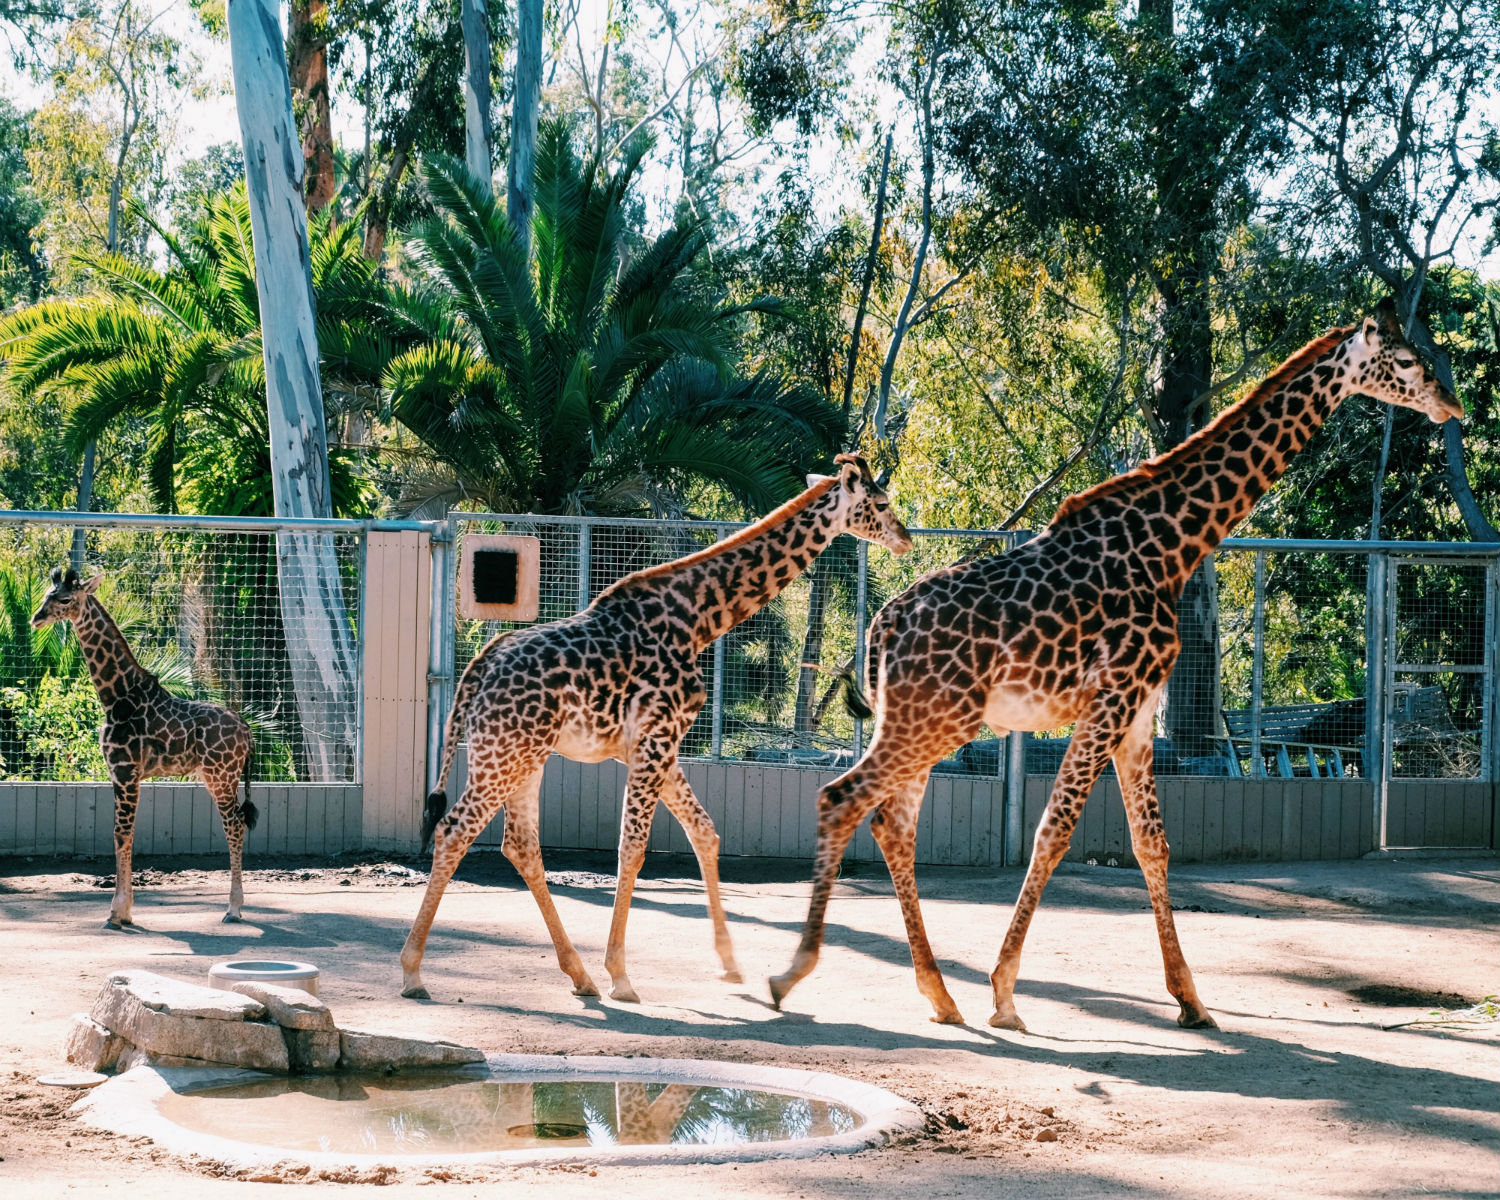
(621, 680)
(1079, 625)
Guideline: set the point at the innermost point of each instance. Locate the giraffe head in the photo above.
(861, 506)
(1388, 368)
(66, 597)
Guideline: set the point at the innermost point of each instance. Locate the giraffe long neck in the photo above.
(112, 666)
(734, 585)
(1182, 504)
(712, 591)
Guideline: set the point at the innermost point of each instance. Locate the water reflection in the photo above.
(447, 1113)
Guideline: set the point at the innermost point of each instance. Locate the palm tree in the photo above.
(593, 373)
(180, 350)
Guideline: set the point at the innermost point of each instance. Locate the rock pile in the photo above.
(141, 1017)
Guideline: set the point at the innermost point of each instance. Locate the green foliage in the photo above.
(593, 376)
(178, 350)
(57, 730)
(23, 270)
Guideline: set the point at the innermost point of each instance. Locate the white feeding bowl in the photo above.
(302, 975)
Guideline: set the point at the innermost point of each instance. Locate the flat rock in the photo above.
(90, 1045)
(177, 998)
(72, 1079)
(312, 1050)
(289, 1007)
(167, 1035)
(361, 1050)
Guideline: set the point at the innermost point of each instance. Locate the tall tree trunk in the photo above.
(476, 25)
(1193, 691)
(307, 62)
(812, 652)
(524, 117)
(324, 670)
(871, 257)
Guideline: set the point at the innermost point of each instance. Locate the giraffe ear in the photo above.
(90, 586)
(849, 475)
(814, 479)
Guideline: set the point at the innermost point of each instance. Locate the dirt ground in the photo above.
(1336, 1072)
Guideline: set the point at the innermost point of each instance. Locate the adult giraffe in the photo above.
(148, 732)
(1079, 625)
(621, 680)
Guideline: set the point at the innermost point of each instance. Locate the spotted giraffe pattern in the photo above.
(1079, 625)
(149, 733)
(641, 1121)
(622, 679)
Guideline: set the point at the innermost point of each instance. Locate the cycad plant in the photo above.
(594, 374)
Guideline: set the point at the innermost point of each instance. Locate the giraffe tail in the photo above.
(248, 811)
(437, 800)
(855, 700)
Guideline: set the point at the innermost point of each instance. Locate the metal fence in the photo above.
(197, 601)
(1301, 659)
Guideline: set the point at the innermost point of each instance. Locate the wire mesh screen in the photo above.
(200, 608)
(1441, 669)
(1273, 679)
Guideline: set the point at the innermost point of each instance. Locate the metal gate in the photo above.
(1437, 700)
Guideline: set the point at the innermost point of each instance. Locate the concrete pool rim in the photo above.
(129, 1104)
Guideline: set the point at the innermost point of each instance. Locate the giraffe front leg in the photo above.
(1148, 838)
(895, 828)
(522, 844)
(641, 791)
(677, 793)
(842, 804)
(127, 800)
(1093, 742)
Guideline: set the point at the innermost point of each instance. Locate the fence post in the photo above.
(716, 741)
(861, 619)
(585, 563)
(1257, 669)
(1376, 687)
(439, 645)
(1015, 796)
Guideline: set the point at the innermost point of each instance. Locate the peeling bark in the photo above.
(312, 605)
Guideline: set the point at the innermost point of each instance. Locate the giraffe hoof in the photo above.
(586, 988)
(115, 925)
(948, 1018)
(1190, 1020)
(233, 919)
(1008, 1020)
(780, 986)
(624, 993)
(732, 976)
(416, 993)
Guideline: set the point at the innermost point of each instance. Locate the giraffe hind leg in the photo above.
(225, 790)
(127, 799)
(677, 795)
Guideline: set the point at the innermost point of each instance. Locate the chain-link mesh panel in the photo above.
(200, 608)
(1273, 678)
(1439, 670)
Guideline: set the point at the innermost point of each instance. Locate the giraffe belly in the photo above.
(588, 746)
(1015, 707)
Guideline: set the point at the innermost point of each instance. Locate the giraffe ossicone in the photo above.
(622, 679)
(148, 733)
(1079, 626)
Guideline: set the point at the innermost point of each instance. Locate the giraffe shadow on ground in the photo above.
(1360, 1088)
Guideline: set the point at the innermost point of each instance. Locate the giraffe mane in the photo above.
(1153, 467)
(785, 513)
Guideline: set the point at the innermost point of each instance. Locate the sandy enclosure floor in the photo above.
(1306, 1091)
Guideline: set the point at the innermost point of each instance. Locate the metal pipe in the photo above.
(439, 666)
(1258, 669)
(861, 620)
(716, 718)
(1015, 796)
(231, 524)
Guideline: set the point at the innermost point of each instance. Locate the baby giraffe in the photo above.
(1079, 626)
(622, 680)
(148, 732)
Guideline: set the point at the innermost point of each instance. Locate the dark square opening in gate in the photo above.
(495, 576)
